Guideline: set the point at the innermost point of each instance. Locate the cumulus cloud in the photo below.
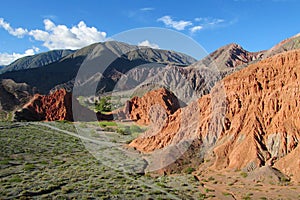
(178, 25)
(18, 32)
(53, 37)
(6, 59)
(146, 43)
(61, 37)
(195, 29)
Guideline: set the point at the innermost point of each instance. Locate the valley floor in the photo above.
(51, 160)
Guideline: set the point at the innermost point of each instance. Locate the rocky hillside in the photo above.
(109, 59)
(253, 112)
(14, 95)
(38, 60)
(147, 109)
(286, 45)
(229, 56)
(192, 82)
(55, 106)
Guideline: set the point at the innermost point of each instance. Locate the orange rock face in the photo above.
(146, 109)
(250, 119)
(56, 106)
(52, 107)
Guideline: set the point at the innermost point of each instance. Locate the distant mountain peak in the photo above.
(38, 60)
(233, 46)
(227, 57)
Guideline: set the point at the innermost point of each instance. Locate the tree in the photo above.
(104, 105)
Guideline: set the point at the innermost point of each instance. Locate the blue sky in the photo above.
(34, 26)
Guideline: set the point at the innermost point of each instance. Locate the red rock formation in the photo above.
(250, 119)
(55, 106)
(145, 109)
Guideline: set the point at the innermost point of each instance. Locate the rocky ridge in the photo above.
(55, 106)
(252, 112)
(38, 60)
(154, 106)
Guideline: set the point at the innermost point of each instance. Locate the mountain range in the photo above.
(121, 67)
(111, 59)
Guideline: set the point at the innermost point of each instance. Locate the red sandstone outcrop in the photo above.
(154, 106)
(250, 119)
(55, 106)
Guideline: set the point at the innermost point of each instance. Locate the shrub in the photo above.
(244, 174)
(189, 170)
(135, 129)
(104, 105)
(29, 167)
(123, 131)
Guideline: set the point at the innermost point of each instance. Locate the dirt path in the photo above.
(97, 142)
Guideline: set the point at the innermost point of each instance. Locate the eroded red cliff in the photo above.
(145, 109)
(250, 119)
(52, 107)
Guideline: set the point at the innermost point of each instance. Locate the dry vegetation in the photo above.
(40, 162)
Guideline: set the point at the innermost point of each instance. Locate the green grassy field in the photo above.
(39, 162)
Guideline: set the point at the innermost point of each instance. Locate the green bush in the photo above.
(244, 174)
(124, 130)
(29, 167)
(103, 105)
(189, 170)
(15, 179)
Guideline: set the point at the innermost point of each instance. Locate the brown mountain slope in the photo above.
(229, 56)
(250, 118)
(14, 95)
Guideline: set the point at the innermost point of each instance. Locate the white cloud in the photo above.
(178, 25)
(216, 21)
(195, 29)
(18, 32)
(53, 37)
(6, 59)
(146, 43)
(147, 9)
(39, 35)
(61, 37)
(208, 21)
